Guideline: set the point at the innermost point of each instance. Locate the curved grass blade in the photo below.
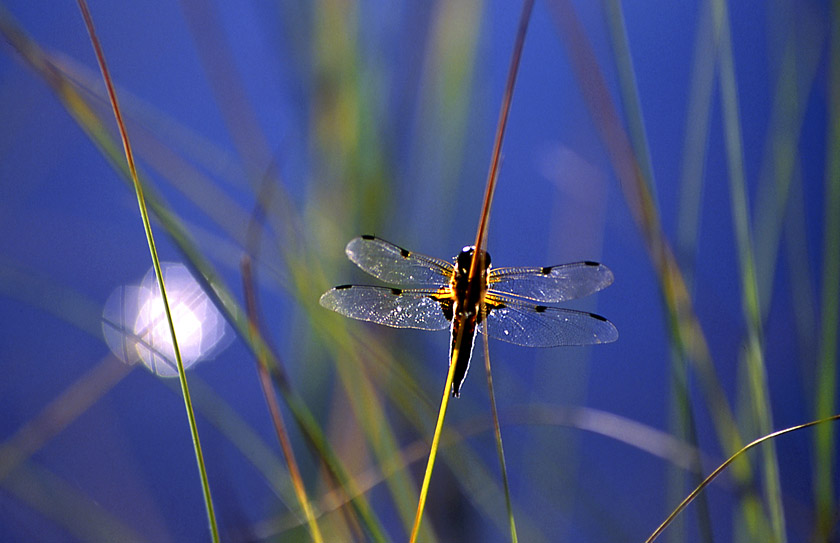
(100, 57)
(712, 476)
(481, 237)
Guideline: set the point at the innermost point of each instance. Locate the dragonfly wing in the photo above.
(540, 326)
(552, 284)
(400, 308)
(395, 265)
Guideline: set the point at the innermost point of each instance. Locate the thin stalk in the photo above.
(493, 174)
(141, 202)
(424, 489)
(826, 371)
(681, 413)
(274, 408)
(757, 372)
(477, 264)
(497, 432)
(686, 330)
(712, 476)
(481, 235)
(91, 124)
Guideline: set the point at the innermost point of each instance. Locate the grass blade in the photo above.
(826, 372)
(757, 373)
(680, 405)
(100, 57)
(712, 476)
(424, 490)
(274, 409)
(497, 431)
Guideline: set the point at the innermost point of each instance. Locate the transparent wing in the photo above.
(400, 308)
(530, 325)
(397, 266)
(552, 284)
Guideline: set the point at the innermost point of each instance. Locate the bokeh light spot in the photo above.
(136, 330)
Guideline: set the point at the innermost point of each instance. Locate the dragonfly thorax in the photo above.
(464, 261)
(468, 293)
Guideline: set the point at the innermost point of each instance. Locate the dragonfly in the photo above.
(508, 304)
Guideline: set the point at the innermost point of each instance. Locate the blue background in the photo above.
(72, 234)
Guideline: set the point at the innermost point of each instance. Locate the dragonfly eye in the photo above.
(465, 259)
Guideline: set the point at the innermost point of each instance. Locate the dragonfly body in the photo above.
(463, 309)
(504, 303)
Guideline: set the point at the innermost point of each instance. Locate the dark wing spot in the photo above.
(343, 287)
(368, 237)
(546, 271)
(404, 252)
(396, 291)
(540, 308)
(599, 317)
(590, 263)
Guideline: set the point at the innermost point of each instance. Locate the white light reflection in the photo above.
(136, 330)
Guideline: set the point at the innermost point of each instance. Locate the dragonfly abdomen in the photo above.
(464, 341)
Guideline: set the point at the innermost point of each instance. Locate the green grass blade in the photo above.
(199, 456)
(629, 92)
(826, 373)
(500, 449)
(695, 144)
(757, 372)
(681, 413)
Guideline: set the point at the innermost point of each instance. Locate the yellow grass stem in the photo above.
(447, 390)
(476, 267)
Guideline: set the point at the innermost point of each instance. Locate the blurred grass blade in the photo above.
(798, 64)
(630, 92)
(681, 408)
(695, 144)
(100, 57)
(684, 327)
(758, 388)
(90, 123)
(60, 501)
(274, 409)
(712, 476)
(826, 373)
(683, 323)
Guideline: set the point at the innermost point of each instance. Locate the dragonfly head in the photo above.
(465, 260)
